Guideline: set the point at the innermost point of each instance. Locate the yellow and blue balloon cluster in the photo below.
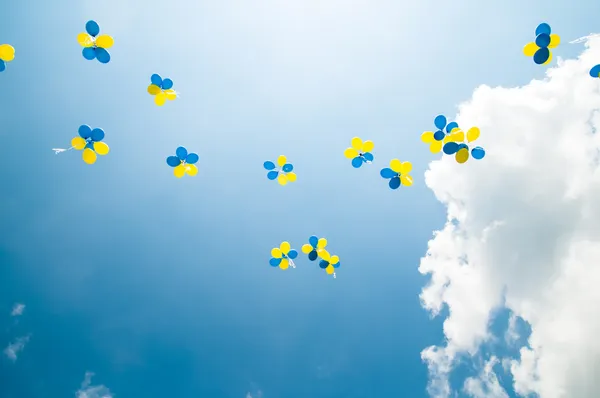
(283, 174)
(540, 48)
(283, 256)
(183, 162)
(90, 142)
(359, 152)
(161, 89)
(94, 46)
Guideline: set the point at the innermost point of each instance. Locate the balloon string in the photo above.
(334, 275)
(59, 150)
(291, 263)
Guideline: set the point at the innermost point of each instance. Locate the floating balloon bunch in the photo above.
(457, 146)
(315, 248)
(397, 173)
(161, 89)
(183, 162)
(283, 174)
(7, 54)
(359, 152)
(90, 142)
(283, 256)
(436, 139)
(94, 46)
(540, 48)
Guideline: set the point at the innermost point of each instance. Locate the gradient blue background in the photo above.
(162, 286)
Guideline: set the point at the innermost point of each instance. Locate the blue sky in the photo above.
(161, 286)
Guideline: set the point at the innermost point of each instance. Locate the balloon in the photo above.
(281, 160)
(462, 155)
(276, 253)
(181, 153)
(554, 41)
(291, 176)
(101, 148)
(171, 94)
(191, 170)
(321, 243)
(285, 247)
(92, 28)
(451, 126)
(192, 158)
(105, 41)
(313, 241)
(367, 146)
(595, 71)
(179, 171)
(97, 134)
(285, 263)
(549, 58)
(272, 175)
(357, 162)
(350, 153)
(543, 28)
(287, 167)
(406, 180)
(89, 156)
(450, 148)
(396, 165)
(89, 53)
(356, 143)
(405, 167)
(324, 254)
(312, 256)
(395, 182)
(160, 99)
(85, 131)
(282, 179)
(269, 165)
(84, 40)
(542, 40)
(388, 173)
(292, 254)
(478, 152)
(334, 260)
(329, 269)
(156, 80)
(530, 49)
(153, 89)
(439, 135)
(102, 55)
(275, 262)
(167, 84)
(2, 66)
(7, 52)
(368, 156)
(173, 161)
(427, 137)
(306, 248)
(473, 133)
(541, 56)
(440, 121)
(323, 264)
(78, 143)
(436, 147)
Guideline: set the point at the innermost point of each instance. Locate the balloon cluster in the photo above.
(359, 152)
(183, 162)
(540, 48)
(397, 173)
(457, 146)
(162, 89)
(436, 139)
(7, 54)
(283, 174)
(90, 142)
(315, 248)
(283, 256)
(94, 46)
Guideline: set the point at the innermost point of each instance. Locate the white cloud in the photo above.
(257, 394)
(528, 232)
(89, 391)
(18, 309)
(14, 348)
(486, 385)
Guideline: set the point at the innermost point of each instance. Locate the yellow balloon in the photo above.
(85, 40)
(179, 171)
(153, 90)
(105, 41)
(191, 169)
(356, 143)
(330, 269)
(350, 153)
(324, 254)
(462, 155)
(405, 167)
(322, 243)
(435, 147)
(171, 94)
(334, 260)
(285, 247)
(101, 148)
(281, 160)
(406, 180)
(306, 248)
(276, 253)
(7, 52)
(530, 49)
(284, 264)
(554, 41)
(89, 156)
(427, 137)
(78, 143)
(473, 134)
(549, 58)
(396, 165)
(291, 176)
(282, 179)
(160, 99)
(368, 146)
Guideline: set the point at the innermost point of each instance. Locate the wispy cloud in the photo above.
(257, 394)
(18, 309)
(89, 391)
(14, 348)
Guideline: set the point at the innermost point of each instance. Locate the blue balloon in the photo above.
(89, 145)
(357, 162)
(288, 167)
(478, 152)
(192, 158)
(272, 175)
(395, 182)
(97, 134)
(439, 135)
(313, 241)
(275, 262)
(85, 131)
(542, 40)
(292, 254)
(92, 28)
(450, 148)
(312, 256)
(102, 55)
(543, 28)
(451, 126)
(156, 80)
(337, 265)
(595, 71)
(323, 264)
(167, 84)
(181, 153)
(269, 165)
(388, 173)
(440, 121)
(2, 66)
(461, 146)
(368, 156)
(541, 55)
(89, 53)
(173, 161)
